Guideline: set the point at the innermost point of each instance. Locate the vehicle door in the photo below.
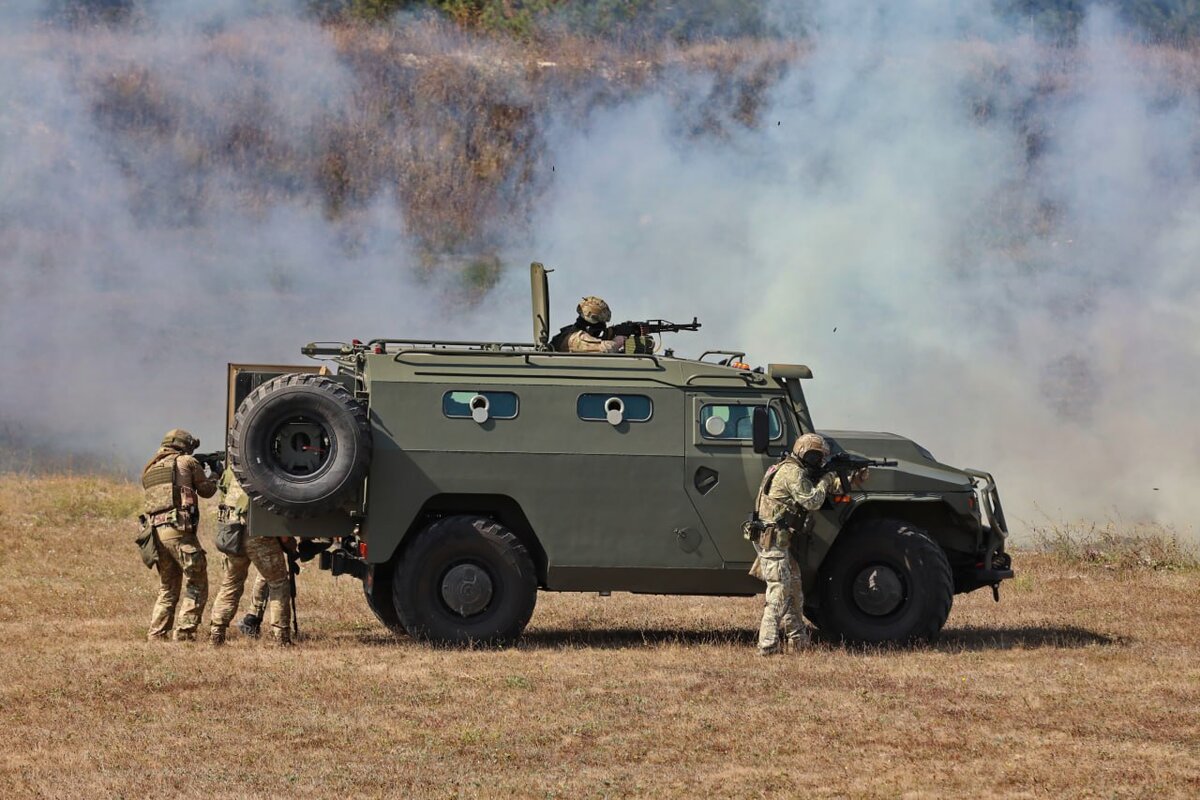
(722, 472)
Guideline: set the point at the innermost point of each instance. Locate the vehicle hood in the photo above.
(916, 472)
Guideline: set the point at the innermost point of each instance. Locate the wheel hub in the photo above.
(467, 589)
(878, 590)
(301, 448)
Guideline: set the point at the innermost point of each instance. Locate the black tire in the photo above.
(464, 580)
(378, 591)
(300, 445)
(884, 581)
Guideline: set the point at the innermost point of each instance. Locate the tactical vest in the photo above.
(235, 503)
(168, 503)
(779, 520)
(159, 483)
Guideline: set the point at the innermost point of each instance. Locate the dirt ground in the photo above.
(1083, 682)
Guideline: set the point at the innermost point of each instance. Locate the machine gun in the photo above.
(844, 465)
(637, 334)
(214, 461)
(646, 327)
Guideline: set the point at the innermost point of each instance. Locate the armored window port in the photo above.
(614, 410)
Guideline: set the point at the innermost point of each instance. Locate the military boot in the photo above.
(185, 636)
(770, 650)
(251, 625)
(216, 636)
(281, 638)
(800, 642)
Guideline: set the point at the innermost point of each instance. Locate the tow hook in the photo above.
(996, 591)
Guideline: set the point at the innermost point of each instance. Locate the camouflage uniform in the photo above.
(584, 342)
(585, 334)
(785, 497)
(266, 554)
(172, 479)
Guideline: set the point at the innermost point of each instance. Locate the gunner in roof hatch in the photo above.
(589, 332)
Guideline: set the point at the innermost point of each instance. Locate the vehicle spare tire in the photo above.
(884, 581)
(300, 444)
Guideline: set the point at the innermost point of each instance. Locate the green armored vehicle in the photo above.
(459, 478)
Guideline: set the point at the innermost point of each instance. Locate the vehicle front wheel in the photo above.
(885, 581)
(465, 579)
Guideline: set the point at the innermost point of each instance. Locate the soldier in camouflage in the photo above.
(172, 481)
(786, 497)
(587, 333)
(267, 556)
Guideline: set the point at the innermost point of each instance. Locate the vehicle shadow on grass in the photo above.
(597, 639)
(621, 638)
(970, 638)
(1029, 637)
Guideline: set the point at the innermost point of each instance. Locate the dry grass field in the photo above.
(1084, 681)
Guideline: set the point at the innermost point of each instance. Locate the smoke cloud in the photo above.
(975, 237)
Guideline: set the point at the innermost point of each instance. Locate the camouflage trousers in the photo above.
(181, 564)
(260, 593)
(784, 603)
(266, 554)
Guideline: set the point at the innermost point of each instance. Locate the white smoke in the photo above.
(131, 270)
(975, 238)
(978, 240)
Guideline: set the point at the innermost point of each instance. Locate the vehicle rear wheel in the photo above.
(885, 581)
(465, 579)
(300, 444)
(377, 588)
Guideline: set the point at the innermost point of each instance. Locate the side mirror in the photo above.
(761, 429)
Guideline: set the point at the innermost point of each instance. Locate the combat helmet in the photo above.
(809, 442)
(179, 439)
(594, 310)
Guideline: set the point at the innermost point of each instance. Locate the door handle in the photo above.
(705, 480)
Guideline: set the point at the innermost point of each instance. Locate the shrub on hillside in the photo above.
(1117, 545)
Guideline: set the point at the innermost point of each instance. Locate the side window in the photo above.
(473, 405)
(734, 422)
(597, 407)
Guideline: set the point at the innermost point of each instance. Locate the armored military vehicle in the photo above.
(460, 478)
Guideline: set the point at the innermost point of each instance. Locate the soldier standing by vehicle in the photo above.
(240, 550)
(172, 479)
(786, 497)
(587, 334)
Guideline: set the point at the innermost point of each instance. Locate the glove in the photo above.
(860, 476)
(831, 483)
(618, 344)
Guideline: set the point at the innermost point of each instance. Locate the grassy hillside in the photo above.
(1083, 682)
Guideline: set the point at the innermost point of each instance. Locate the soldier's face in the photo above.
(812, 459)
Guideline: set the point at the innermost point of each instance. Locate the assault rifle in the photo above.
(292, 553)
(844, 465)
(648, 326)
(214, 461)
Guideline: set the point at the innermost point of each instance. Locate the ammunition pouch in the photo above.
(752, 529)
(229, 539)
(146, 542)
(168, 517)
